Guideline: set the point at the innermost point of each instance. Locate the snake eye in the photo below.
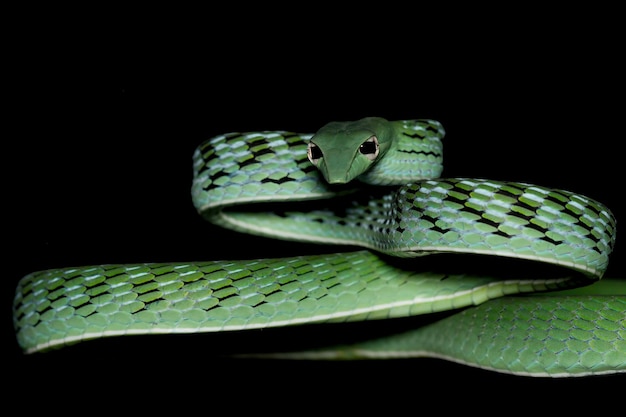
(369, 148)
(314, 153)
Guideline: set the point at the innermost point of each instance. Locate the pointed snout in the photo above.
(336, 176)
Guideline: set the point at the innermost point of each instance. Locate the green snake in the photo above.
(373, 186)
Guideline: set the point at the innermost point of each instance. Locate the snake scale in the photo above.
(372, 186)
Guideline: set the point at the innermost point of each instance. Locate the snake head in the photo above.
(344, 150)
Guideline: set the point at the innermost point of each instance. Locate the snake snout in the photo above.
(333, 181)
(336, 176)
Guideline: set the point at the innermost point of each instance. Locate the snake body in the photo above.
(374, 186)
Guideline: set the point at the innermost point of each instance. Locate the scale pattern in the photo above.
(62, 306)
(240, 167)
(533, 335)
(427, 215)
(239, 179)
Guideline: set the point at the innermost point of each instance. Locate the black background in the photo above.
(99, 170)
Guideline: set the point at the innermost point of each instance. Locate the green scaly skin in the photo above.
(371, 183)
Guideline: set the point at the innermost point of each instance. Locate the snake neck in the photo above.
(416, 153)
